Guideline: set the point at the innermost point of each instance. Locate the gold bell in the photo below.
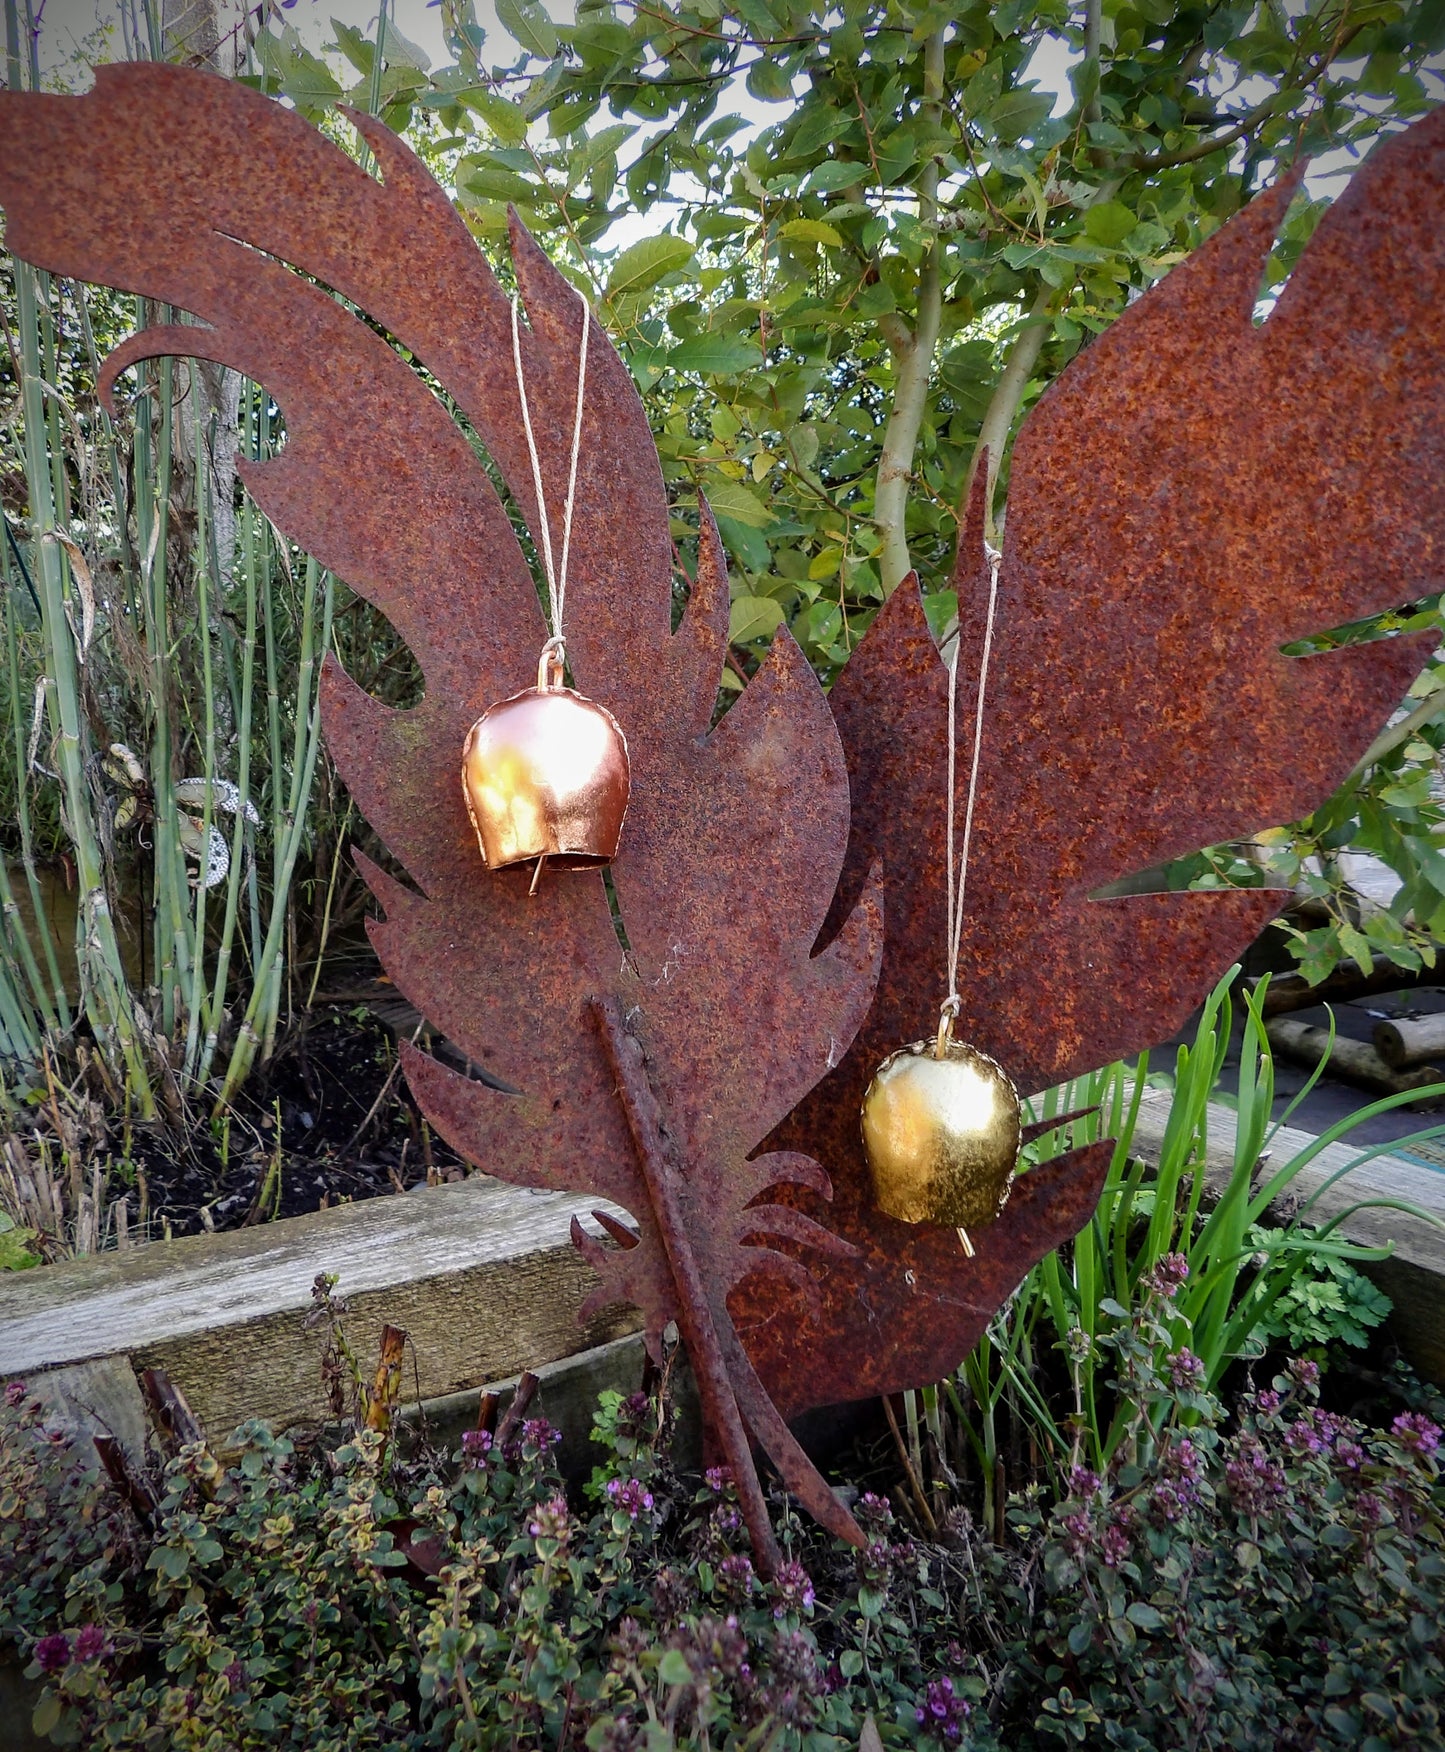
(941, 1130)
(545, 776)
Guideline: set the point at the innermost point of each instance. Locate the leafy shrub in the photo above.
(1272, 1578)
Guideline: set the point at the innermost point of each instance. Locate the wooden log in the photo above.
(1289, 992)
(484, 1278)
(1353, 1061)
(1409, 1042)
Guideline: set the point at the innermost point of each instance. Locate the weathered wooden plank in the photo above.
(485, 1280)
(483, 1276)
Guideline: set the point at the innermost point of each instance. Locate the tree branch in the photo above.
(913, 363)
(1004, 403)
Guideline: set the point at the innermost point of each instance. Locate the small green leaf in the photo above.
(837, 173)
(753, 617)
(1144, 1615)
(811, 231)
(715, 355)
(732, 499)
(47, 1715)
(503, 117)
(1109, 223)
(529, 24)
(673, 1669)
(1018, 113)
(496, 184)
(644, 263)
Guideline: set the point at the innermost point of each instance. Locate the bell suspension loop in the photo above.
(545, 773)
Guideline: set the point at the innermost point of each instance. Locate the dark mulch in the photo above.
(329, 1120)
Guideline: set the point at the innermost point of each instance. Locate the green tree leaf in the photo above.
(502, 116)
(812, 231)
(715, 355)
(753, 617)
(1110, 222)
(647, 261)
(526, 21)
(733, 499)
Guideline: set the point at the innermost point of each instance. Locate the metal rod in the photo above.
(695, 1316)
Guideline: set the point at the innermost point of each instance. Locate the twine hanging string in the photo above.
(556, 574)
(555, 649)
(957, 885)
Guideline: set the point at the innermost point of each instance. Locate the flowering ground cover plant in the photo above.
(1269, 1577)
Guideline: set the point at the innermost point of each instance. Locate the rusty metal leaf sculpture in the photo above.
(1136, 701)
(1194, 492)
(646, 1069)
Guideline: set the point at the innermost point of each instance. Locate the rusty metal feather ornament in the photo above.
(702, 1067)
(1193, 493)
(646, 1068)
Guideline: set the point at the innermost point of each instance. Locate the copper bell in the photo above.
(545, 776)
(941, 1130)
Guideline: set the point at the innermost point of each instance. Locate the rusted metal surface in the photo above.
(1190, 495)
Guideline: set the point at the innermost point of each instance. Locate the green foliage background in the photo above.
(877, 243)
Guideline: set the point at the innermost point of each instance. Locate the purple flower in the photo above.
(539, 1434)
(1080, 1532)
(53, 1652)
(1115, 1545)
(1415, 1431)
(1349, 1455)
(718, 1479)
(1369, 1509)
(724, 1522)
(1168, 1275)
(1255, 1481)
(476, 1445)
(873, 1513)
(1268, 1402)
(1083, 1483)
(91, 1643)
(1186, 1371)
(1305, 1373)
(875, 1562)
(630, 1495)
(630, 1641)
(735, 1576)
(942, 1714)
(671, 1595)
(793, 1589)
(550, 1520)
(14, 1392)
(1302, 1437)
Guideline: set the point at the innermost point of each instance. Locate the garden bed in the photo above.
(485, 1280)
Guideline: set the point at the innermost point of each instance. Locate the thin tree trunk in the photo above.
(912, 354)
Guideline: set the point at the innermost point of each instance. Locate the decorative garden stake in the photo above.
(1195, 492)
(545, 773)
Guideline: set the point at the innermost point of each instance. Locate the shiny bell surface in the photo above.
(941, 1134)
(545, 775)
